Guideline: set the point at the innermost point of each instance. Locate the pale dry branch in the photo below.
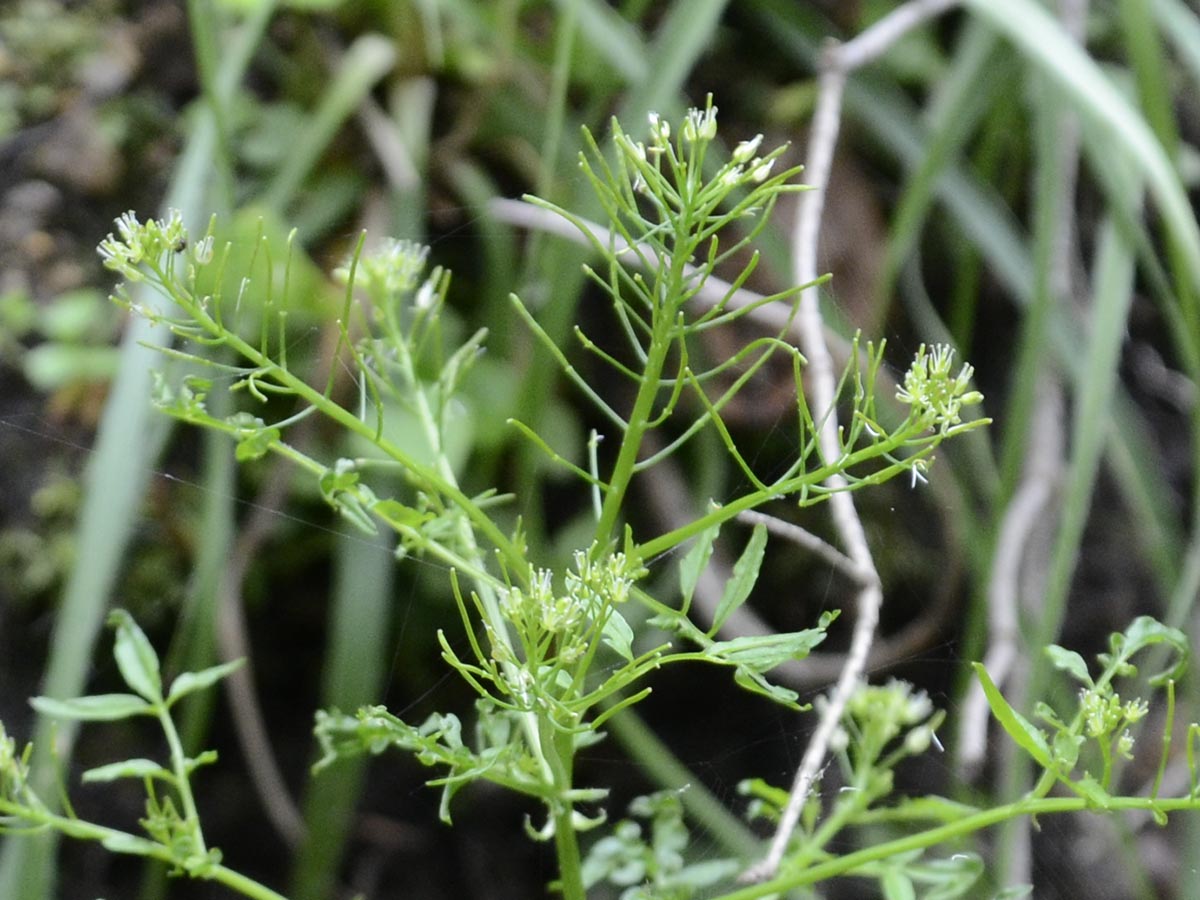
(1020, 523)
(837, 61)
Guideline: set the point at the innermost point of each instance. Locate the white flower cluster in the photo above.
(699, 128)
(932, 392)
(391, 271)
(140, 244)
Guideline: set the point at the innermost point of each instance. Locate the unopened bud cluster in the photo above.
(879, 714)
(1104, 714)
(686, 154)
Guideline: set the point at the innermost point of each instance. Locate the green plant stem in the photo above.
(246, 886)
(487, 593)
(566, 848)
(182, 781)
(89, 831)
(844, 865)
(813, 479)
(330, 409)
(559, 755)
(639, 419)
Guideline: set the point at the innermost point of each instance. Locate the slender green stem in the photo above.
(182, 780)
(298, 386)
(812, 479)
(844, 865)
(668, 291)
(559, 752)
(247, 887)
(113, 837)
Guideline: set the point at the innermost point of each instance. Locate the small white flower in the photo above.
(202, 252)
(660, 129)
(425, 296)
(700, 125)
(744, 152)
(760, 172)
(731, 177)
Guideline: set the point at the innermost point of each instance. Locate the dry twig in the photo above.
(837, 61)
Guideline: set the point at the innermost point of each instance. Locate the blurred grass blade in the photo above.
(611, 36)
(1095, 387)
(355, 657)
(1181, 26)
(365, 62)
(684, 34)
(1043, 40)
(966, 97)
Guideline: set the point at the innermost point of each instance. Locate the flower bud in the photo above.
(744, 152)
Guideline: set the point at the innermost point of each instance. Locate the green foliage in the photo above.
(653, 866)
(552, 651)
(557, 654)
(1102, 721)
(172, 822)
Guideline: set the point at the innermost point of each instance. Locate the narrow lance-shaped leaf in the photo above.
(189, 682)
(763, 652)
(1019, 729)
(128, 768)
(693, 564)
(96, 708)
(741, 581)
(136, 657)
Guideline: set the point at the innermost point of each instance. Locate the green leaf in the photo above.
(1070, 662)
(129, 768)
(189, 682)
(135, 656)
(897, 886)
(342, 477)
(1066, 749)
(693, 564)
(947, 879)
(618, 635)
(96, 708)
(741, 581)
(257, 444)
(763, 652)
(1019, 729)
(707, 873)
(397, 515)
(1146, 631)
(1091, 790)
(207, 758)
(119, 842)
(752, 681)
